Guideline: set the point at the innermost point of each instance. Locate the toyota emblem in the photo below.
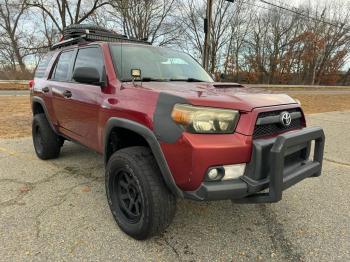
(286, 119)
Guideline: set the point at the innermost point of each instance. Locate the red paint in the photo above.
(31, 84)
(83, 117)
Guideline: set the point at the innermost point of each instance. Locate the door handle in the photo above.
(45, 89)
(67, 94)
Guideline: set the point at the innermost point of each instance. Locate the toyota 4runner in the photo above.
(166, 129)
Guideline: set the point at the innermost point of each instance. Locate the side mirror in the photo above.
(87, 75)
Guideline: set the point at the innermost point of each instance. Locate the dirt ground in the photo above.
(15, 112)
(15, 117)
(297, 88)
(14, 86)
(320, 103)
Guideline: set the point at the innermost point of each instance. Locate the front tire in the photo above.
(46, 142)
(139, 200)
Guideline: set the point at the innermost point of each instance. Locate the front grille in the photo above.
(276, 128)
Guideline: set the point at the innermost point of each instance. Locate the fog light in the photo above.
(234, 171)
(213, 174)
(229, 172)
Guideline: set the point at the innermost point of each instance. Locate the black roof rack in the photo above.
(92, 37)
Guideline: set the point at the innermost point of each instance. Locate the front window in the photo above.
(157, 64)
(90, 57)
(61, 72)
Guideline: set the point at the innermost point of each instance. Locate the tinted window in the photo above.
(41, 69)
(62, 67)
(90, 57)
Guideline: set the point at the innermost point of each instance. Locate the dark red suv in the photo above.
(166, 130)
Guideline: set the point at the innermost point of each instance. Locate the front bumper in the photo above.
(276, 164)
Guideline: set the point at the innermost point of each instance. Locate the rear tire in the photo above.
(46, 142)
(139, 200)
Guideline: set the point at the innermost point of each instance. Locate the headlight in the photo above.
(205, 120)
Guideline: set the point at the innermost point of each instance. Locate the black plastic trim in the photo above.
(276, 119)
(36, 99)
(221, 190)
(165, 128)
(152, 141)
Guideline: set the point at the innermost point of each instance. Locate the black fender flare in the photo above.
(153, 143)
(36, 99)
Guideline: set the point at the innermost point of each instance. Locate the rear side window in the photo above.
(90, 57)
(61, 72)
(41, 69)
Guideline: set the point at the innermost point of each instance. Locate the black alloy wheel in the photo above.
(129, 195)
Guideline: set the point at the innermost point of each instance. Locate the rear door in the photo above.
(40, 83)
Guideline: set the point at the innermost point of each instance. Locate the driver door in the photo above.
(79, 112)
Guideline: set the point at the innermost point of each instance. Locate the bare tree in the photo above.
(240, 28)
(284, 47)
(146, 19)
(220, 31)
(68, 12)
(47, 29)
(11, 50)
(192, 17)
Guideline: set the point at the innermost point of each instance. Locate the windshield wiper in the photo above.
(151, 79)
(146, 79)
(190, 79)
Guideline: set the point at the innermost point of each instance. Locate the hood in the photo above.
(223, 95)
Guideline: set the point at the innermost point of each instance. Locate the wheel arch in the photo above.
(39, 107)
(148, 137)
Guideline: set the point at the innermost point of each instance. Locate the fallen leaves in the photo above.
(24, 189)
(86, 189)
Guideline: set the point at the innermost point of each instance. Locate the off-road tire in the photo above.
(46, 142)
(158, 203)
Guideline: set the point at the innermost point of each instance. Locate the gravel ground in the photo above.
(57, 210)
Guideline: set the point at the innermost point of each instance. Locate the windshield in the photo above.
(157, 64)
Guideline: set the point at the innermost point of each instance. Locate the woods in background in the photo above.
(250, 41)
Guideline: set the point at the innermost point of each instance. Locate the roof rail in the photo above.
(92, 37)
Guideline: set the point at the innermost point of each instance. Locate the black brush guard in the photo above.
(280, 177)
